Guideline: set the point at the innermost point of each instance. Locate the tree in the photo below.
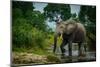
(26, 11)
(87, 16)
(54, 10)
(28, 26)
(38, 20)
(89, 11)
(24, 6)
(21, 9)
(74, 15)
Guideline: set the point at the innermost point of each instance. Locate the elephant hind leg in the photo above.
(85, 49)
(79, 49)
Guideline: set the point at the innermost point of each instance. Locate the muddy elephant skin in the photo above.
(72, 32)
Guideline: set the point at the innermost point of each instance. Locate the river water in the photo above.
(89, 55)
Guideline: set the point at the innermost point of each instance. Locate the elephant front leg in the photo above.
(62, 47)
(55, 42)
(70, 48)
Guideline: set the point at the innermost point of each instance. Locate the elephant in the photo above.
(72, 31)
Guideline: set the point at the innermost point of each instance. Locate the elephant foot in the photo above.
(82, 55)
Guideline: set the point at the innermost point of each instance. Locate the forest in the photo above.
(32, 38)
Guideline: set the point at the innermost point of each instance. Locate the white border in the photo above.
(5, 33)
(84, 2)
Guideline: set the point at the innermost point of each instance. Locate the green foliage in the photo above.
(50, 40)
(17, 13)
(20, 31)
(91, 40)
(87, 16)
(74, 15)
(82, 13)
(24, 6)
(90, 11)
(53, 58)
(52, 10)
(38, 20)
(26, 35)
(28, 26)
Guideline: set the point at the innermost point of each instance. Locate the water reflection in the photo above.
(89, 56)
